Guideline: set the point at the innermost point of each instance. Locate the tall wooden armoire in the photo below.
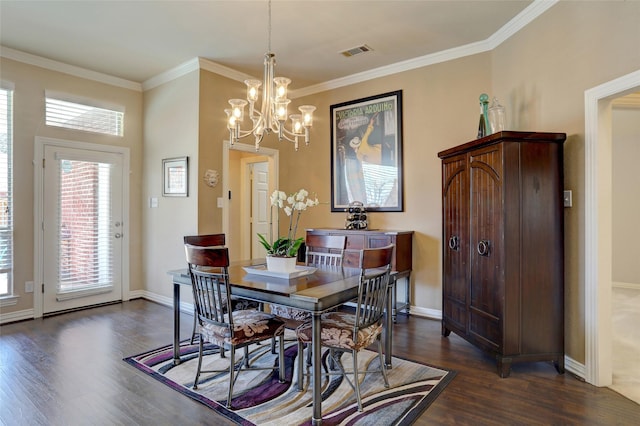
(503, 246)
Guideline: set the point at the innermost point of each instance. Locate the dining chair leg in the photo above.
(200, 350)
(281, 359)
(232, 370)
(195, 328)
(300, 366)
(246, 356)
(356, 380)
(383, 367)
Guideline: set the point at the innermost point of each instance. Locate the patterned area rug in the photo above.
(258, 394)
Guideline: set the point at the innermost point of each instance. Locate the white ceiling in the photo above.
(138, 40)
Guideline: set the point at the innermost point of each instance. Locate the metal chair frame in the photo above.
(375, 269)
(208, 268)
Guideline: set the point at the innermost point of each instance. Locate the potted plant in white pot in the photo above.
(282, 253)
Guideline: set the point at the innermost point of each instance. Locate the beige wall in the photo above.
(626, 195)
(541, 74)
(30, 85)
(170, 130)
(440, 110)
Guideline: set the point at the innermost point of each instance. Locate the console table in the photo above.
(402, 256)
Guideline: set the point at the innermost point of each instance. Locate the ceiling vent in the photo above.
(356, 51)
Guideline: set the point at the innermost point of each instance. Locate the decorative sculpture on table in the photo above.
(356, 216)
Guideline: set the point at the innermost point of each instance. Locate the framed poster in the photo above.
(366, 153)
(175, 177)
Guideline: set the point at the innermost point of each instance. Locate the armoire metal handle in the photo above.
(454, 243)
(483, 247)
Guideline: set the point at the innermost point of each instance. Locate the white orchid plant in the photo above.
(293, 205)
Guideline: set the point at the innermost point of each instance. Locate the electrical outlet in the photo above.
(28, 287)
(568, 198)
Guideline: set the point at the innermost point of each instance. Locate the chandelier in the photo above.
(273, 113)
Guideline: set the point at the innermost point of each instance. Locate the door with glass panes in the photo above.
(83, 229)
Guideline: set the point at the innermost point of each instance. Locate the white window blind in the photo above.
(85, 247)
(6, 192)
(78, 116)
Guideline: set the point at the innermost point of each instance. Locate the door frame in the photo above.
(38, 213)
(271, 155)
(598, 225)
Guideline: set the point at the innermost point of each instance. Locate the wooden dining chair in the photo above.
(237, 303)
(346, 331)
(218, 323)
(325, 251)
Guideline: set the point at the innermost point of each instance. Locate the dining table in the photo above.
(314, 290)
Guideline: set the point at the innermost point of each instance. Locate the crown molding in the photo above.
(193, 65)
(39, 61)
(531, 12)
(521, 20)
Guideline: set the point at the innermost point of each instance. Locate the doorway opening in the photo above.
(239, 164)
(598, 225)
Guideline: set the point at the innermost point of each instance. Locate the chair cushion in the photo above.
(337, 331)
(290, 313)
(248, 326)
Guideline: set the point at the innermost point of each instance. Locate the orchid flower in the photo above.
(298, 201)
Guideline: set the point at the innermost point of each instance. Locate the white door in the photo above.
(82, 228)
(259, 206)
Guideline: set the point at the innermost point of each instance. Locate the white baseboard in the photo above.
(26, 314)
(575, 368)
(187, 308)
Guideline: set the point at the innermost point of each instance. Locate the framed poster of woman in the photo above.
(366, 153)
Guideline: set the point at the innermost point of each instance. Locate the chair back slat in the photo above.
(325, 250)
(375, 269)
(208, 268)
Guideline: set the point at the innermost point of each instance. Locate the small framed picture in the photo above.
(175, 177)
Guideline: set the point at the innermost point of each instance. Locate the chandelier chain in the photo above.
(269, 38)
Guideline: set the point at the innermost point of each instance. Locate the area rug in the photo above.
(259, 399)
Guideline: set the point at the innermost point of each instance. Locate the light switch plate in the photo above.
(220, 202)
(568, 198)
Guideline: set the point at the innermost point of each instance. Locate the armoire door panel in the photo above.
(486, 230)
(455, 211)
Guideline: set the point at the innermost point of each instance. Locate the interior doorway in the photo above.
(238, 168)
(598, 225)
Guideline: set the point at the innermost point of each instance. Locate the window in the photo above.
(60, 111)
(6, 191)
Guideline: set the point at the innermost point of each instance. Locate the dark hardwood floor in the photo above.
(68, 370)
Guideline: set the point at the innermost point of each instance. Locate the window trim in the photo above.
(9, 298)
